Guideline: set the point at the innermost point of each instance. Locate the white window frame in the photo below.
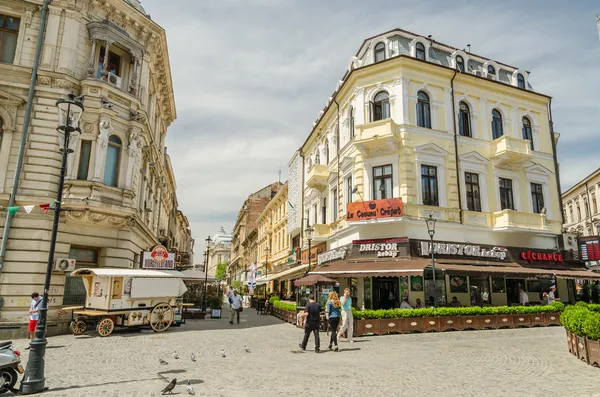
(413, 47)
(392, 159)
(432, 155)
(346, 177)
(539, 174)
(515, 189)
(475, 163)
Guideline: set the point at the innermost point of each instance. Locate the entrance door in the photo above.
(512, 290)
(386, 294)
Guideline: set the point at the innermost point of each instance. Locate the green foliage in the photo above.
(591, 326)
(582, 304)
(240, 286)
(290, 307)
(586, 294)
(595, 293)
(221, 272)
(573, 318)
(273, 299)
(215, 302)
(559, 305)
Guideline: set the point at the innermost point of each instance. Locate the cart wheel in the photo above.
(161, 317)
(105, 327)
(78, 326)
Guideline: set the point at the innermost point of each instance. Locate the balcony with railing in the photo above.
(317, 176)
(511, 152)
(379, 136)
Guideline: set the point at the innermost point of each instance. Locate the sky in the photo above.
(250, 77)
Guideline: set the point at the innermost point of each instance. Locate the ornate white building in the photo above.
(120, 192)
(220, 249)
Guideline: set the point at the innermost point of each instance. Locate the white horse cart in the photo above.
(127, 298)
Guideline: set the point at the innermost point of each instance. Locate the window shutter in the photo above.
(371, 109)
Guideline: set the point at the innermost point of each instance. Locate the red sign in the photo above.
(530, 256)
(159, 254)
(376, 209)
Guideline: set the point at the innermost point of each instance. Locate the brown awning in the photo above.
(403, 267)
(314, 279)
(517, 271)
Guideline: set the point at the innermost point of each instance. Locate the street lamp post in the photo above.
(267, 252)
(208, 241)
(431, 230)
(69, 113)
(309, 236)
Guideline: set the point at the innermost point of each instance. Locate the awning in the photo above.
(517, 271)
(275, 276)
(402, 267)
(315, 279)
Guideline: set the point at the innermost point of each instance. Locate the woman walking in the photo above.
(333, 314)
(347, 319)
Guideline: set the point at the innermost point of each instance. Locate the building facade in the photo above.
(120, 193)
(418, 128)
(220, 249)
(244, 225)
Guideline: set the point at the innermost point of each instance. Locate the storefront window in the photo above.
(440, 287)
(480, 291)
(75, 293)
(367, 294)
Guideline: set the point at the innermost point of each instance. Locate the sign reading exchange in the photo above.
(376, 209)
(533, 256)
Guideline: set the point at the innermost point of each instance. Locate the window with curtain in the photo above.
(315, 214)
(351, 121)
(9, 32)
(497, 129)
(460, 63)
(348, 190)
(520, 81)
(527, 134)
(537, 197)
(113, 154)
(423, 110)
(491, 71)
(578, 211)
(380, 107)
(334, 204)
(472, 190)
(429, 184)
(380, 52)
(324, 211)
(382, 182)
(594, 203)
(464, 119)
(84, 160)
(506, 194)
(420, 51)
(326, 151)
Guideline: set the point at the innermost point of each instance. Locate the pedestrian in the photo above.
(34, 314)
(312, 315)
(523, 297)
(405, 304)
(551, 295)
(347, 319)
(419, 304)
(236, 306)
(333, 314)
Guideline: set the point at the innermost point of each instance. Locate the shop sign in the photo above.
(386, 248)
(158, 259)
(314, 253)
(463, 250)
(531, 256)
(589, 248)
(376, 209)
(333, 255)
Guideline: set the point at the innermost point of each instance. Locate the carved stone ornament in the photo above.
(88, 128)
(44, 80)
(95, 218)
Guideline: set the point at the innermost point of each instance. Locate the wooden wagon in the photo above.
(127, 298)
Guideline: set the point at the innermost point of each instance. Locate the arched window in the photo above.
(491, 71)
(113, 157)
(317, 158)
(460, 63)
(527, 134)
(520, 81)
(423, 110)
(379, 52)
(380, 107)
(326, 151)
(420, 51)
(351, 121)
(497, 130)
(464, 119)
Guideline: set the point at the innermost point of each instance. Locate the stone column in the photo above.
(106, 56)
(101, 144)
(133, 159)
(134, 76)
(71, 170)
(92, 64)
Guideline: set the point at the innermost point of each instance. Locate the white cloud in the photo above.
(250, 77)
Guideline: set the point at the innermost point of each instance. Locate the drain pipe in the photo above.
(460, 209)
(338, 159)
(25, 130)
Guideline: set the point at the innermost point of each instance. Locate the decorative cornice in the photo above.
(98, 218)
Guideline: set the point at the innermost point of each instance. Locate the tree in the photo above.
(221, 272)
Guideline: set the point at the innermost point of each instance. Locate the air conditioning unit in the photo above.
(114, 80)
(64, 264)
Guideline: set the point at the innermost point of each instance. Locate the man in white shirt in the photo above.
(34, 314)
(551, 294)
(405, 304)
(523, 297)
(236, 306)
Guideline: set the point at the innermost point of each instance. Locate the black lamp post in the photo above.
(431, 230)
(208, 241)
(267, 252)
(309, 236)
(69, 113)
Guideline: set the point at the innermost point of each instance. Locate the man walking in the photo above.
(236, 306)
(347, 319)
(34, 313)
(312, 312)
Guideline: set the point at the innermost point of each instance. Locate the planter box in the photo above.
(362, 327)
(413, 324)
(593, 350)
(450, 323)
(582, 348)
(522, 320)
(432, 323)
(487, 322)
(538, 320)
(505, 321)
(552, 318)
(391, 326)
(573, 343)
(468, 322)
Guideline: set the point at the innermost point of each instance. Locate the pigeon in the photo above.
(247, 349)
(190, 389)
(176, 355)
(223, 353)
(162, 362)
(193, 357)
(170, 387)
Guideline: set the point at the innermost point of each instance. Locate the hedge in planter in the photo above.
(290, 307)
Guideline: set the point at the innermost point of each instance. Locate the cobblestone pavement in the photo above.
(520, 362)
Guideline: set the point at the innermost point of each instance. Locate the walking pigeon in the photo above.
(162, 362)
(176, 355)
(190, 389)
(169, 387)
(193, 357)
(223, 353)
(247, 349)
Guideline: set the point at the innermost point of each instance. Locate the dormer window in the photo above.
(113, 65)
(420, 51)
(491, 72)
(380, 52)
(460, 63)
(520, 81)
